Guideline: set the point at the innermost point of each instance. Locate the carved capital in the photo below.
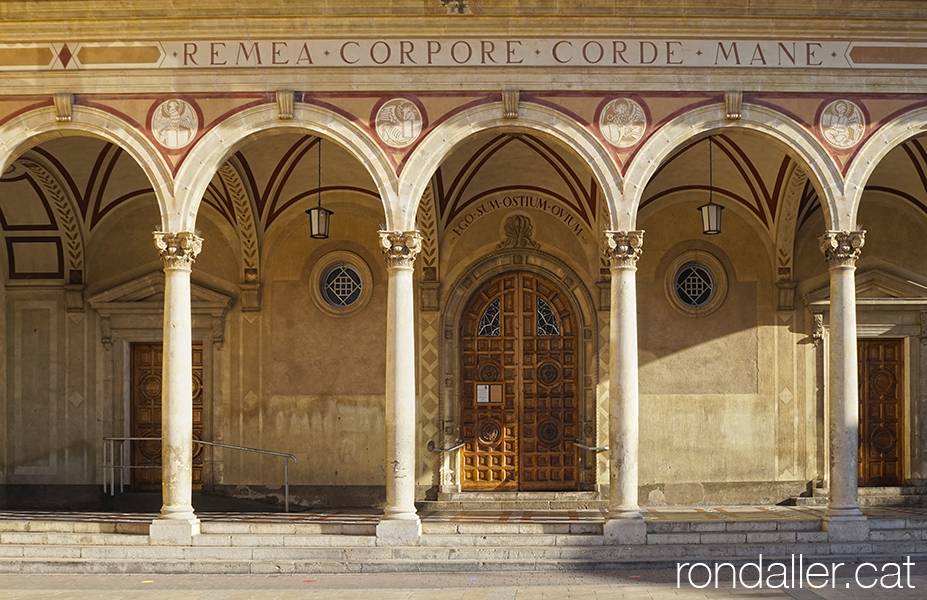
(623, 248)
(400, 247)
(178, 250)
(841, 248)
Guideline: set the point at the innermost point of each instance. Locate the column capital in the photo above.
(623, 248)
(842, 248)
(400, 247)
(178, 250)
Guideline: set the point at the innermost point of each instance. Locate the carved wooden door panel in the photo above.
(881, 405)
(519, 408)
(147, 364)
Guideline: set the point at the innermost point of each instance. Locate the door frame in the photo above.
(593, 411)
(133, 312)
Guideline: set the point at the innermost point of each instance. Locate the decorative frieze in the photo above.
(842, 248)
(623, 248)
(400, 247)
(178, 250)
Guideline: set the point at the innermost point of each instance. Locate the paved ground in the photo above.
(631, 585)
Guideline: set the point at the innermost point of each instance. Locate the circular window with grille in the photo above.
(342, 284)
(696, 284)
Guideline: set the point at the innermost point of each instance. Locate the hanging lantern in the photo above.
(711, 212)
(319, 217)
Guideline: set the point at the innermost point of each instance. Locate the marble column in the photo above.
(843, 520)
(624, 523)
(177, 524)
(400, 524)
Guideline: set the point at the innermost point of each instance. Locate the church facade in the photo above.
(516, 294)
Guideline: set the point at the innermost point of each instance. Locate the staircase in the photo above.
(242, 546)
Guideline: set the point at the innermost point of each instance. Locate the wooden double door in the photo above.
(145, 400)
(881, 408)
(519, 402)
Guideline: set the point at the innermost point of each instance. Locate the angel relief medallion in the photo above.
(623, 122)
(398, 122)
(174, 123)
(842, 124)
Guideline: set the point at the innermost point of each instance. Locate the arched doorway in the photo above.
(519, 403)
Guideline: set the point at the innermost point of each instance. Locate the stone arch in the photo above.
(584, 307)
(811, 154)
(222, 141)
(883, 141)
(37, 126)
(447, 136)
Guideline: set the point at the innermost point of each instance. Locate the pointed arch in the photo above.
(219, 143)
(887, 138)
(39, 125)
(449, 135)
(797, 140)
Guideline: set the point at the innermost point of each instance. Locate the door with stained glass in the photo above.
(518, 405)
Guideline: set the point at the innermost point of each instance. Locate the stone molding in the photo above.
(623, 248)
(842, 248)
(400, 247)
(178, 250)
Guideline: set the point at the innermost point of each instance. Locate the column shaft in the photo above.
(177, 523)
(624, 523)
(844, 521)
(400, 524)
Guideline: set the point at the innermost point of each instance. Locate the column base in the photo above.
(399, 532)
(174, 532)
(627, 529)
(846, 528)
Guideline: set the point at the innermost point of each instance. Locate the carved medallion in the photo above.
(842, 124)
(399, 122)
(548, 374)
(623, 122)
(490, 372)
(518, 232)
(174, 123)
(549, 432)
(489, 432)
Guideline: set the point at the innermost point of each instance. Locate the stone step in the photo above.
(476, 501)
(161, 559)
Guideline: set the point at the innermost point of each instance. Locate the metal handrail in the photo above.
(431, 446)
(590, 448)
(112, 466)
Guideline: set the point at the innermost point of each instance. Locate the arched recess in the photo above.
(217, 145)
(37, 126)
(63, 204)
(886, 139)
(796, 140)
(446, 137)
(581, 301)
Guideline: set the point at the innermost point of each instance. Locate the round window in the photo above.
(696, 283)
(342, 284)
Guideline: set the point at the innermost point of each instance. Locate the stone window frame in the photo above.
(714, 267)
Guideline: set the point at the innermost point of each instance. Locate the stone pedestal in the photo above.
(843, 521)
(177, 524)
(400, 524)
(624, 522)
